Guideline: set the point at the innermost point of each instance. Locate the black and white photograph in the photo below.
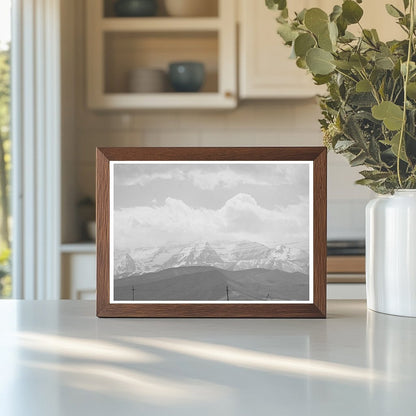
(211, 232)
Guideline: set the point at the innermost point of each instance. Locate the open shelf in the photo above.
(160, 24)
(127, 51)
(81, 247)
(168, 100)
(119, 45)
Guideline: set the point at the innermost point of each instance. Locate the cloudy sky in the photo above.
(157, 204)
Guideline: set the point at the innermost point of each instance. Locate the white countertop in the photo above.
(57, 358)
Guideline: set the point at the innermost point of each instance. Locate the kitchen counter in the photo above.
(57, 358)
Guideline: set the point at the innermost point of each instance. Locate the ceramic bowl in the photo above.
(135, 8)
(147, 80)
(186, 76)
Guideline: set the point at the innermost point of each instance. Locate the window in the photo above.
(5, 147)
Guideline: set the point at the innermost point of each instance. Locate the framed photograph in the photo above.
(211, 232)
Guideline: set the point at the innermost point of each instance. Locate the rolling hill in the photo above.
(210, 284)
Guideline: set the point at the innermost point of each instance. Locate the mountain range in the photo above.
(224, 255)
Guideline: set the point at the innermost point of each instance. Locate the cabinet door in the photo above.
(78, 276)
(265, 68)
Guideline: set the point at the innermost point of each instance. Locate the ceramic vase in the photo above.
(391, 253)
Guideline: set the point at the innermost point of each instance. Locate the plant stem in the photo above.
(346, 75)
(373, 88)
(406, 80)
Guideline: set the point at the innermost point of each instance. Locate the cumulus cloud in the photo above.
(203, 179)
(241, 217)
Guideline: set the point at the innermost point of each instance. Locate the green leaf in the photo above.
(303, 43)
(388, 112)
(351, 11)
(374, 174)
(333, 32)
(354, 132)
(358, 61)
(363, 86)
(358, 160)
(301, 63)
(384, 62)
(406, 4)
(345, 65)
(374, 150)
(316, 20)
(342, 25)
(301, 15)
(375, 35)
(343, 145)
(394, 145)
(412, 67)
(325, 42)
(319, 61)
(393, 11)
(336, 12)
(362, 99)
(321, 79)
(287, 33)
(411, 90)
(382, 89)
(276, 4)
(347, 37)
(368, 36)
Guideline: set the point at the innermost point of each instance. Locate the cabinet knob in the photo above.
(229, 94)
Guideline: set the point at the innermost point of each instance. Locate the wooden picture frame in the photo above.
(289, 157)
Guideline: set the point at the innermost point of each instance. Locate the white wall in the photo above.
(257, 123)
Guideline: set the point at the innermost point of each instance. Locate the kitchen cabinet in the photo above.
(78, 263)
(265, 70)
(118, 45)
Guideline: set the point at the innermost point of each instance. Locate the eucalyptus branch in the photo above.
(346, 75)
(364, 108)
(373, 88)
(406, 80)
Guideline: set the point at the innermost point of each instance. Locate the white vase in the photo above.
(391, 253)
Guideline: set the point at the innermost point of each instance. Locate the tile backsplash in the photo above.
(257, 123)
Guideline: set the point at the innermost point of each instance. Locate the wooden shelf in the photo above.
(160, 24)
(87, 247)
(197, 100)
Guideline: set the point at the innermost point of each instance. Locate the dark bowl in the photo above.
(186, 76)
(135, 8)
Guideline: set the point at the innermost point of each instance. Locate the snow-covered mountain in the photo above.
(239, 250)
(199, 254)
(124, 265)
(235, 255)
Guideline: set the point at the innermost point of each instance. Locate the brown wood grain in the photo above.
(317, 309)
(346, 264)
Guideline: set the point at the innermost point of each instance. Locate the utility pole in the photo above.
(132, 289)
(228, 297)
